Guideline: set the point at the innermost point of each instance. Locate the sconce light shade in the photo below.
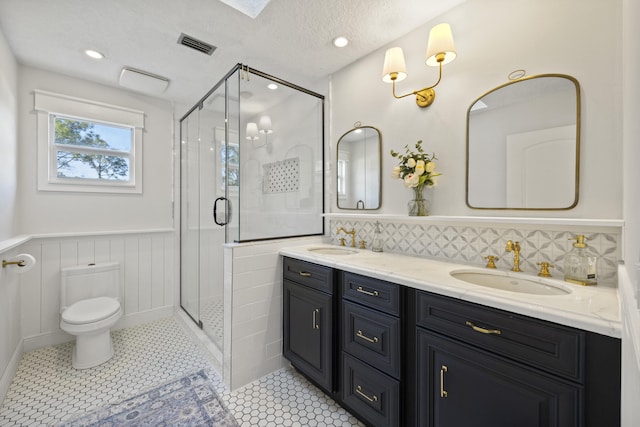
(265, 125)
(440, 42)
(394, 67)
(252, 131)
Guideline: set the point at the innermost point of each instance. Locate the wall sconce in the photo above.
(254, 130)
(440, 50)
(251, 132)
(265, 125)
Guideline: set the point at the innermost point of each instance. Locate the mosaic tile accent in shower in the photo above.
(469, 244)
(281, 177)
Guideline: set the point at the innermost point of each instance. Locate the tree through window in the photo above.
(91, 150)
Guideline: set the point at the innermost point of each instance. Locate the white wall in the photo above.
(494, 37)
(631, 147)
(10, 336)
(45, 212)
(8, 139)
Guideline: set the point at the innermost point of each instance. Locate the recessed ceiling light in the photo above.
(272, 86)
(94, 54)
(340, 41)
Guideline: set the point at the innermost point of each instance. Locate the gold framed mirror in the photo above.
(358, 167)
(523, 145)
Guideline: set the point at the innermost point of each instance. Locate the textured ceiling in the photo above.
(290, 39)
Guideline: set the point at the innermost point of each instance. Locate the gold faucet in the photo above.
(352, 233)
(515, 247)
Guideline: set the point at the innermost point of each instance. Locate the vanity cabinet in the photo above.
(308, 320)
(371, 330)
(489, 367)
(397, 356)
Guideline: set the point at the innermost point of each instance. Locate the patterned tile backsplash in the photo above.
(470, 244)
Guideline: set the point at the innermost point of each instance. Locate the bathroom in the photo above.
(593, 41)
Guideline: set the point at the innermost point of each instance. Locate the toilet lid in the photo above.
(90, 310)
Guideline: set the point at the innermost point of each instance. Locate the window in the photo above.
(341, 169)
(87, 146)
(228, 158)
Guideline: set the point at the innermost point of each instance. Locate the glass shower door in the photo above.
(189, 218)
(209, 189)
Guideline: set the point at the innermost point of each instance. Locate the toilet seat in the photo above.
(90, 310)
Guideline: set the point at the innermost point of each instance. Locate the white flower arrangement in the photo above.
(416, 169)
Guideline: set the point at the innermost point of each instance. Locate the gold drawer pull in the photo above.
(483, 330)
(443, 392)
(362, 291)
(305, 274)
(361, 393)
(314, 318)
(360, 335)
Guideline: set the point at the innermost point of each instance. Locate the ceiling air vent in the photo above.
(196, 44)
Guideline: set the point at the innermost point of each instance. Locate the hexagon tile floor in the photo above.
(47, 391)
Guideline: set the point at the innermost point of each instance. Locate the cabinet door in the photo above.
(459, 385)
(307, 327)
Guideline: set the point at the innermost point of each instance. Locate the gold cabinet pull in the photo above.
(362, 291)
(305, 274)
(361, 393)
(443, 392)
(483, 330)
(314, 318)
(366, 338)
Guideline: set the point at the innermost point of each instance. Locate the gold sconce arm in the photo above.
(424, 96)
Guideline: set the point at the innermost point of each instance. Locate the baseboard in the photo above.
(10, 372)
(143, 317)
(58, 337)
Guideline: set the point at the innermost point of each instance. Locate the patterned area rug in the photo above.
(188, 401)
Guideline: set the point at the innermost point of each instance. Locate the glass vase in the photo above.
(418, 206)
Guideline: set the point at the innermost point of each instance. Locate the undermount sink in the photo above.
(333, 251)
(510, 282)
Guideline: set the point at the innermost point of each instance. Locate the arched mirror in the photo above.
(523, 145)
(358, 168)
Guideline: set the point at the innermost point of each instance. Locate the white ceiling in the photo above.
(290, 39)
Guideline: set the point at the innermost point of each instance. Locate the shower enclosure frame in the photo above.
(236, 211)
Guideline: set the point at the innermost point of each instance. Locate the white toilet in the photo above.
(90, 306)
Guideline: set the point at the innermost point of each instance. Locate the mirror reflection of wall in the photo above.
(358, 167)
(523, 144)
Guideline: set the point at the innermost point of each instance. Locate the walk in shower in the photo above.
(251, 168)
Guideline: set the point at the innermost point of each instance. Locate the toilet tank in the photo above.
(89, 281)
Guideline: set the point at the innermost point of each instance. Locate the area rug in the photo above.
(188, 401)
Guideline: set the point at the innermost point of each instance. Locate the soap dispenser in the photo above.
(580, 267)
(377, 244)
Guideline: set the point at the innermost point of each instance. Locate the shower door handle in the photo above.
(226, 211)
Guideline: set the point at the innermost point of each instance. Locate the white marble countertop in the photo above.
(592, 308)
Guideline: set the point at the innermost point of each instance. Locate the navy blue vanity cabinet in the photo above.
(308, 321)
(481, 366)
(372, 342)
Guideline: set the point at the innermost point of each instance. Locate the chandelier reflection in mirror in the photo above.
(440, 51)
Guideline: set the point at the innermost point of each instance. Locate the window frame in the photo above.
(49, 105)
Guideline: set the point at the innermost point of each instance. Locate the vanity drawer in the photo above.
(384, 296)
(372, 336)
(306, 273)
(548, 346)
(374, 396)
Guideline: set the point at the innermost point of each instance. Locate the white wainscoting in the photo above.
(147, 277)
